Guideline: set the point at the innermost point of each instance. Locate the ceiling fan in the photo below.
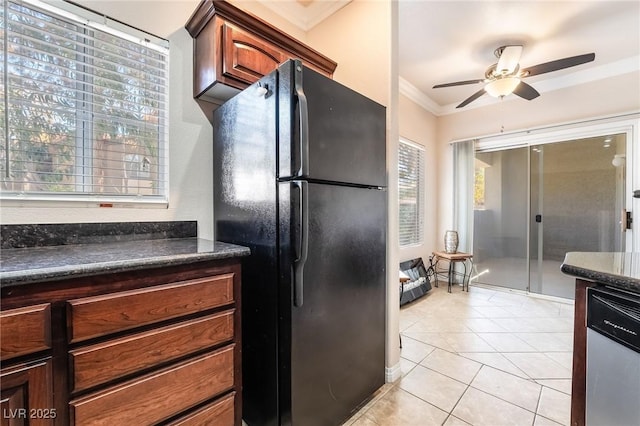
(505, 77)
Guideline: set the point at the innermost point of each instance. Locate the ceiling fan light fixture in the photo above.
(502, 86)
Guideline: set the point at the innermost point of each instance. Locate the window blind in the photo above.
(410, 192)
(84, 108)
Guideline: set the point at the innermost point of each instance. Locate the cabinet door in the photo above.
(27, 394)
(246, 57)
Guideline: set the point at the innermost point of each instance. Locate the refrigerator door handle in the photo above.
(303, 247)
(304, 121)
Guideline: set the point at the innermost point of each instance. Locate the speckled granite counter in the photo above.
(47, 252)
(620, 270)
(37, 264)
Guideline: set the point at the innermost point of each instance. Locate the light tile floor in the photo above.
(486, 357)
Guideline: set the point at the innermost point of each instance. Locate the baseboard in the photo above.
(392, 373)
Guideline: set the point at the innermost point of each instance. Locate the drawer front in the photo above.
(25, 330)
(160, 395)
(217, 413)
(102, 362)
(101, 315)
(247, 57)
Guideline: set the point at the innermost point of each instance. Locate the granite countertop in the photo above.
(619, 270)
(38, 264)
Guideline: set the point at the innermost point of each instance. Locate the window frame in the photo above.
(419, 198)
(88, 20)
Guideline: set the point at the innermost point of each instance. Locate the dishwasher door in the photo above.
(613, 358)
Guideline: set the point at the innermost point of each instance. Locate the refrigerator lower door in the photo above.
(332, 344)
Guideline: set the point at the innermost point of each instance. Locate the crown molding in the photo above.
(412, 92)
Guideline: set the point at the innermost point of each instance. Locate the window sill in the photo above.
(9, 201)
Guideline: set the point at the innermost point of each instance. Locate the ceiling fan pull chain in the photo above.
(501, 114)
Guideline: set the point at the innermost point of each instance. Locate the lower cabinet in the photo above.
(27, 394)
(145, 348)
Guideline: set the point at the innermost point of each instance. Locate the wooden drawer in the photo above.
(101, 315)
(160, 395)
(25, 330)
(102, 362)
(218, 413)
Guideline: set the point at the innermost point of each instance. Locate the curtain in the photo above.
(463, 185)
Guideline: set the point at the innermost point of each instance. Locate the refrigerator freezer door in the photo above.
(332, 345)
(346, 130)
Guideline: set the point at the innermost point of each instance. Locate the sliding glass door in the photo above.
(534, 204)
(500, 218)
(577, 196)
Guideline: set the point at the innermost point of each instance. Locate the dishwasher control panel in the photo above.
(615, 314)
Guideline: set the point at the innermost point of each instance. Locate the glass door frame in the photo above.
(627, 124)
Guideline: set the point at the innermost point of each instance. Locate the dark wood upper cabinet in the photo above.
(233, 49)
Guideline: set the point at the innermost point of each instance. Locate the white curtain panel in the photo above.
(463, 184)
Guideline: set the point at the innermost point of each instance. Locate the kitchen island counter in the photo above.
(616, 270)
(619, 270)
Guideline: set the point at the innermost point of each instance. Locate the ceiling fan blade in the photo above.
(509, 59)
(558, 64)
(525, 91)
(472, 98)
(458, 83)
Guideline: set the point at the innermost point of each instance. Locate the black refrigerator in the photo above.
(300, 178)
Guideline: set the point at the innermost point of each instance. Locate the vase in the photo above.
(450, 242)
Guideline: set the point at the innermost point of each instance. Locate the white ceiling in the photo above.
(446, 41)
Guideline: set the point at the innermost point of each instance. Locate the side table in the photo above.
(454, 258)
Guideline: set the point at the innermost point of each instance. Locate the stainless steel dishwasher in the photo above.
(613, 357)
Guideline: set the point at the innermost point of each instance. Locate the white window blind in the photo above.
(84, 106)
(410, 192)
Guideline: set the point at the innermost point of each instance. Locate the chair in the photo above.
(418, 282)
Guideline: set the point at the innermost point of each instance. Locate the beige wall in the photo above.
(357, 37)
(419, 126)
